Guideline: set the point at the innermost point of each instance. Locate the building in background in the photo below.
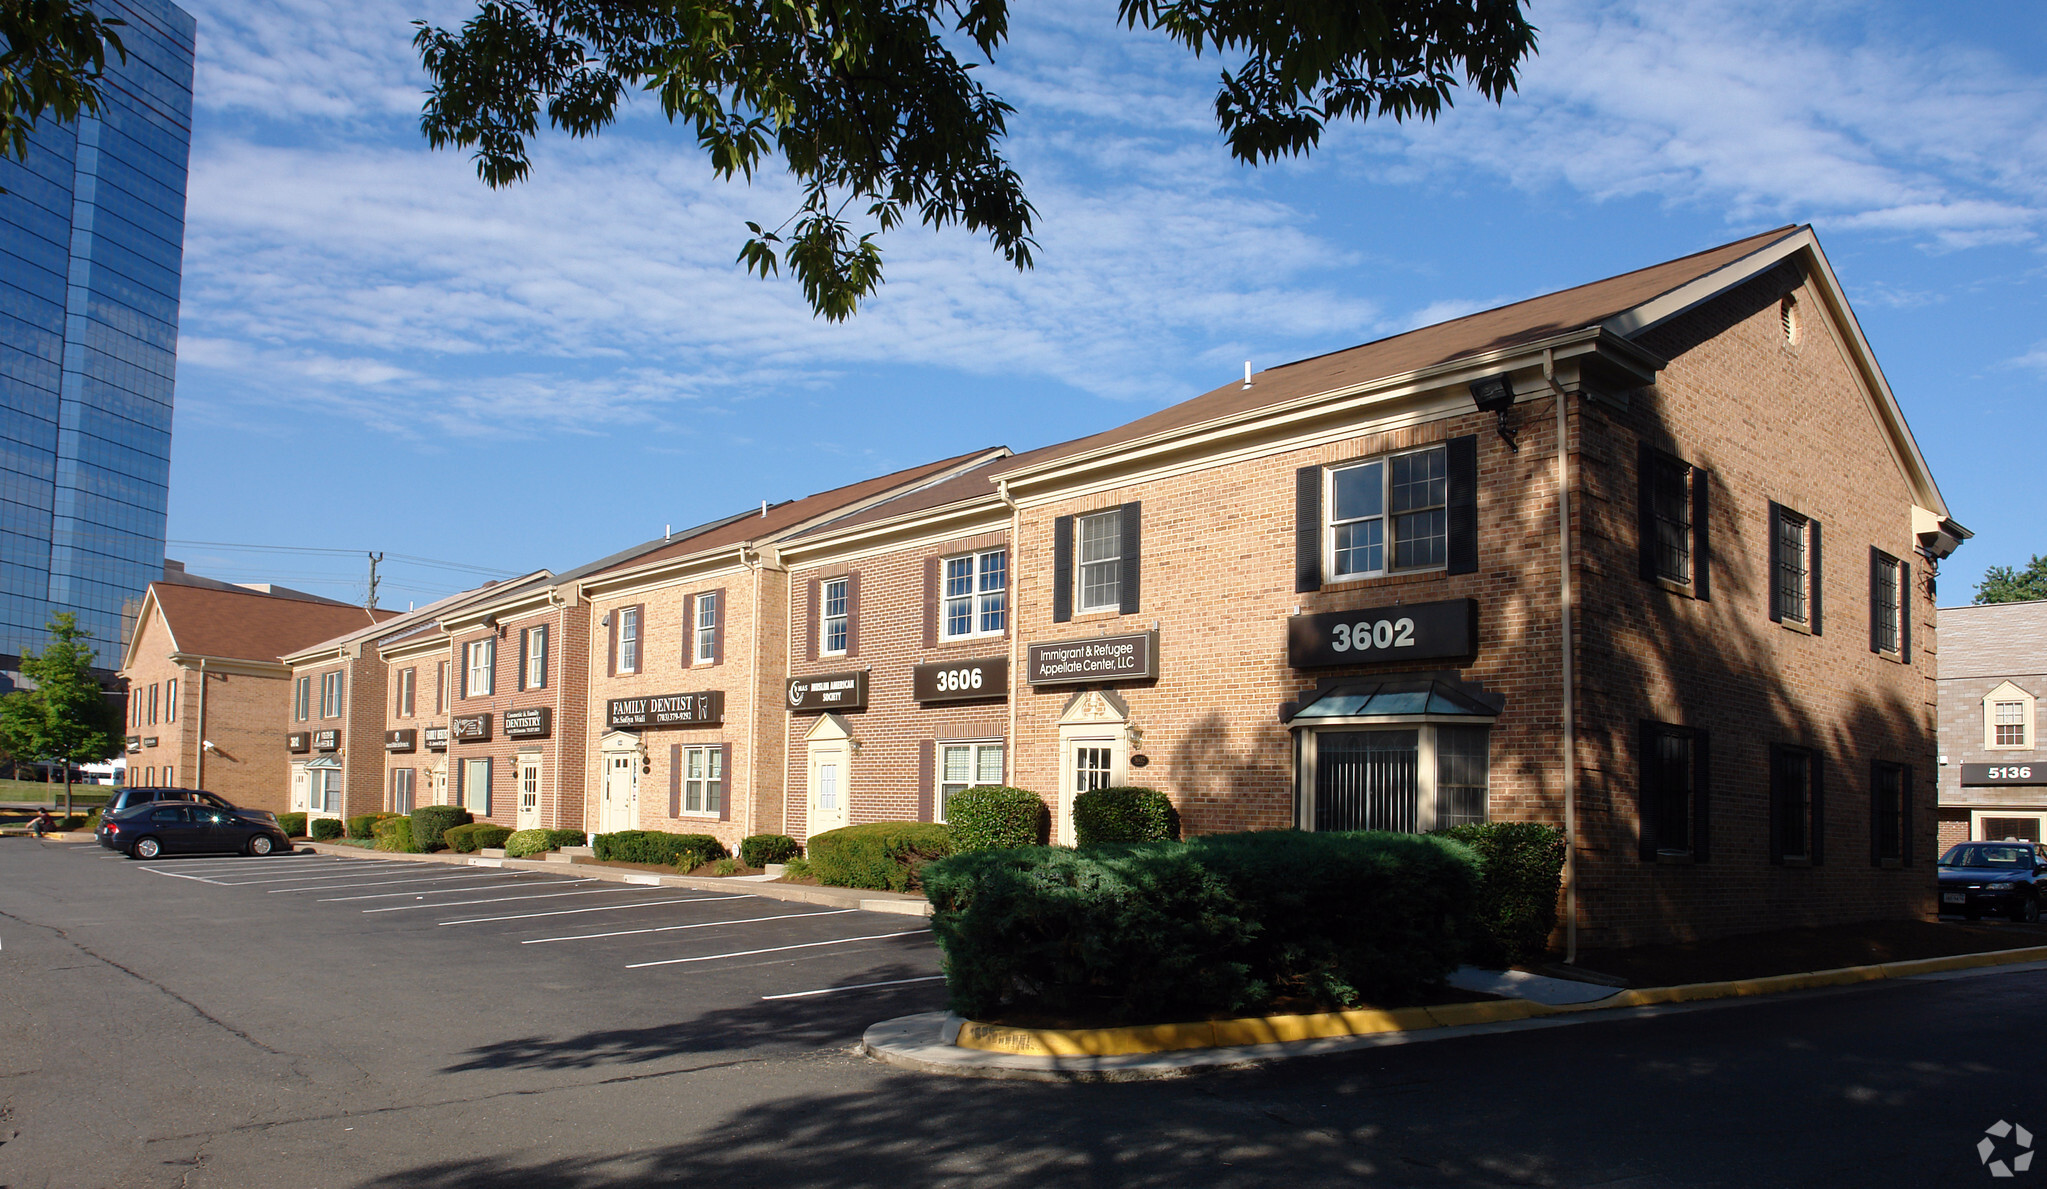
(91, 248)
(1993, 768)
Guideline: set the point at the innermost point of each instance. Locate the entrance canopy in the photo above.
(324, 762)
(1355, 698)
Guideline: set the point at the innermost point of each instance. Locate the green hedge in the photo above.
(1517, 894)
(359, 825)
(996, 817)
(431, 822)
(394, 833)
(684, 851)
(327, 829)
(758, 850)
(535, 842)
(886, 855)
(1124, 814)
(1224, 924)
(293, 824)
(467, 840)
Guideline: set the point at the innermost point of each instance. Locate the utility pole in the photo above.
(370, 599)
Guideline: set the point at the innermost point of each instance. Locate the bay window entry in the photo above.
(1389, 514)
(1409, 755)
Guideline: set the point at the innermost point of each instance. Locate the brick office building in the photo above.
(1993, 767)
(207, 683)
(418, 664)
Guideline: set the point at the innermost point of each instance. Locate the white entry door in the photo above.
(301, 788)
(828, 792)
(439, 782)
(621, 808)
(529, 792)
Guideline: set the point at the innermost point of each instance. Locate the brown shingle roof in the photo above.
(1509, 326)
(244, 625)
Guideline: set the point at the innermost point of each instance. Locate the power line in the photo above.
(487, 571)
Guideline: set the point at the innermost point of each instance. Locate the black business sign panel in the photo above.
(1993, 774)
(150, 742)
(1134, 657)
(534, 722)
(705, 709)
(437, 738)
(961, 681)
(828, 691)
(134, 742)
(401, 741)
(1384, 635)
(297, 742)
(470, 728)
(326, 740)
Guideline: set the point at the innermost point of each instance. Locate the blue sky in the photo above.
(377, 352)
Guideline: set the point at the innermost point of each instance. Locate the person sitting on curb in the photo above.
(42, 823)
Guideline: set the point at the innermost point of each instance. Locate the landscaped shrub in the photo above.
(758, 850)
(293, 824)
(1124, 814)
(684, 851)
(359, 825)
(327, 829)
(994, 817)
(431, 822)
(877, 854)
(535, 842)
(1517, 891)
(796, 868)
(725, 867)
(394, 833)
(1229, 923)
(468, 839)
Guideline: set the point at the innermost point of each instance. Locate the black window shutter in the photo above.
(1876, 813)
(1776, 804)
(1308, 529)
(1905, 840)
(1876, 598)
(1776, 578)
(1646, 788)
(519, 681)
(1062, 569)
(931, 611)
(724, 782)
(1702, 796)
(1130, 518)
(927, 777)
(455, 782)
(1461, 460)
(611, 657)
(1817, 761)
(484, 798)
(540, 638)
(675, 780)
(1702, 551)
(1905, 611)
(1813, 575)
(853, 613)
(1645, 508)
(810, 632)
(718, 626)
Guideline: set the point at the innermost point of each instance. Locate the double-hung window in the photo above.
(170, 700)
(703, 780)
(1389, 514)
(302, 699)
(330, 695)
(705, 636)
(1794, 568)
(976, 594)
(2010, 721)
(153, 691)
(1794, 804)
(1674, 793)
(408, 679)
(402, 782)
(440, 687)
(533, 658)
(1889, 605)
(629, 640)
(962, 766)
(1670, 511)
(835, 594)
(479, 668)
(1101, 560)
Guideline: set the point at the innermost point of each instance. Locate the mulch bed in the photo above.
(1795, 951)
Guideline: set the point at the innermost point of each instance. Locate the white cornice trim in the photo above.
(240, 666)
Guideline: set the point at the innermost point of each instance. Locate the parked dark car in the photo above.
(1999, 878)
(129, 798)
(191, 827)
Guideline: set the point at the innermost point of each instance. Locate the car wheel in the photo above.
(146, 848)
(261, 845)
(2028, 911)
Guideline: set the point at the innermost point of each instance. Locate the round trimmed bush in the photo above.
(886, 855)
(431, 822)
(394, 834)
(1124, 813)
(467, 840)
(758, 850)
(327, 829)
(293, 824)
(995, 817)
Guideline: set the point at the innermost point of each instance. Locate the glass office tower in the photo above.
(92, 231)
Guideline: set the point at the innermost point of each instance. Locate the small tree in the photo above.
(2004, 584)
(65, 717)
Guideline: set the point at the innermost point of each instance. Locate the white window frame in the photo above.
(326, 791)
(2008, 694)
(330, 695)
(842, 590)
(440, 687)
(703, 779)
(1386, 518)
(479, 668)
(535, 649)
(1113, 561)
(1431, 801)
(301, 701)
(404, 789)
(706, 630)
(628, 639)
(408, 692)
(986, 599)
(470, 767)
(170, 700)
(976, 751)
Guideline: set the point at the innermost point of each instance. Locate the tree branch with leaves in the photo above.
(54, 63)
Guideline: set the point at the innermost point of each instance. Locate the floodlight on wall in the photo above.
(1495, 394)
(491, 622)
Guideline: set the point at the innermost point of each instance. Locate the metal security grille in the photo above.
(1672, 506)
(1791, 568)
(1884, 604)
(1367, 780)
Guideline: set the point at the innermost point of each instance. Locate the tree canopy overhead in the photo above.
(866, 103)
(55, 58)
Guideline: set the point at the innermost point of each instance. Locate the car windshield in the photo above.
(1978, 854)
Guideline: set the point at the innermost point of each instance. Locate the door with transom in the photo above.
(529, 792)
(620, 809)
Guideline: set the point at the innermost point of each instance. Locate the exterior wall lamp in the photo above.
(1495, 394)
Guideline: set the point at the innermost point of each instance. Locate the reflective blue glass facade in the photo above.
(92, 231)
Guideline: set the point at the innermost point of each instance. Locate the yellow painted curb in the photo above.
(1139, 1039)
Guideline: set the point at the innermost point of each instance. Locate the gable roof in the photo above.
(234, 624)
(403, 622)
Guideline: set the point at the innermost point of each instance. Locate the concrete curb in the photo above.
(937, 1042)
(863, 899)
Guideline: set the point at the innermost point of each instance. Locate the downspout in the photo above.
(560, 646)
(1564, 596)
(1013, 747)
(754, 699)
(199, 763)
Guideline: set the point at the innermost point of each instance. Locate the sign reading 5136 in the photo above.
(1417, 631)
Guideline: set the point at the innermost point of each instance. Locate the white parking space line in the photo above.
(301, 878)
(787, 916)
(392, 883)
(563, 912)
(808, 945)
(488, 887)
(503, 899)
(181, 875)
(894, 982)
(251, 862)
